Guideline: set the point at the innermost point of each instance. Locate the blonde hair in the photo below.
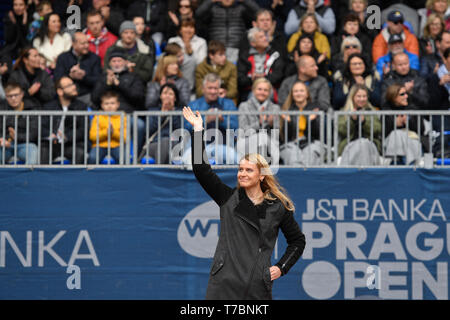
(429, 4)
(309, 15)
(261, 80)
(269, 185)
(161, 68)
(430, 19)
(349, 104)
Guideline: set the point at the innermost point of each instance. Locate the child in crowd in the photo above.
(43, 8)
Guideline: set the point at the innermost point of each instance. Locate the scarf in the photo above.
(97, 41)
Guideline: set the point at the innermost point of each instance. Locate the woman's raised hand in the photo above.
(194, 119)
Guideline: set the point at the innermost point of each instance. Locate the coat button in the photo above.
(259, 249)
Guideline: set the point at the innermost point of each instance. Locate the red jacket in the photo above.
(102, 43)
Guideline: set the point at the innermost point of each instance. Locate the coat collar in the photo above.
(246, 210)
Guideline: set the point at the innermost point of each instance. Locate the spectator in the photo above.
(217, 62)
(112, 17)
(439, 87)
(128, 85)
(279, 10)
(81, 65)
(168, 101)
(430, 63)
(359, 135)
(433, 28)
(318, 88)
(185, 9)
(226, 22)
(402, 143)
(323, 13)
(15, 24)
(302, 143)
(310, 25)
(27, 150)
(350, 45)
(438, 7)
(107, 131)
(416, 87)
(252, 124)
(155, 14)
(59, 130)
(187, 64)
(260, 61)
(100, 39)
(167, 71)
(305, 46)
(138, 54)
(50, 41)
(5, 68)
(396, 46)
(42, 9)
(356, 72)
(221, 153)
(35, 82)
(143, 33)
(359, 7)
(395, 26)
(192, 45)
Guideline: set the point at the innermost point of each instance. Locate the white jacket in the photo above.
(51, 51)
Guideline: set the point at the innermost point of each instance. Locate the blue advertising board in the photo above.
(151, 234)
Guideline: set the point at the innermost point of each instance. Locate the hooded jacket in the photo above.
(380, 44)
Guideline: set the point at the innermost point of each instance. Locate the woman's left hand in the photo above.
(275, 273)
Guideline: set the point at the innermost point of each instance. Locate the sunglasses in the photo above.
(397, 22)
(354, 46)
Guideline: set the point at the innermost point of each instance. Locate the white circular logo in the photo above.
(198, 232)
(321, 280)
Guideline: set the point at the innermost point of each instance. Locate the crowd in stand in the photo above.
(231, 55)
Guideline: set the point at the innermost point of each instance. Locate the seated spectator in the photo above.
(15, 24)
(310, 25)
(42, 9)
(167, 71)
(185, 63)
(416, 87)
(351, 27)
(143, 33)
(260, 61)
(222, 152)
(396, 46)
(58, 131)
(301, 145)
(318, 88)
(168, 101)
(279, 10)
(192, 45)
(252, 124)
(356, 72)
(350, 45)
(108, 131)
(127, 84)
(430, 63)
(138, 54)
(27, 150)
(112, 16)
(359, 135)
(216, 62)
(81, 65)
(402, 143)
(359, 8)
(226, 22)
(5, 69)
(437, 7)
(100, 39)
(51, 41)
(35, 82)
(155, 14)
(185, 9)
(395, 26)
(434, 27)
(323, 13)
(439, 87)
(305, 46)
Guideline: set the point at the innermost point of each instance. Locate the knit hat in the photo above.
(126, 25)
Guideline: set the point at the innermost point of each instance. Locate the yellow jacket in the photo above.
(320, 41)
(102, 131)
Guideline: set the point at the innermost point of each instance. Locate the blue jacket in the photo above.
(413, 62)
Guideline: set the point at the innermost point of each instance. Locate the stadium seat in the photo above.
(108, 160)
(148, 160)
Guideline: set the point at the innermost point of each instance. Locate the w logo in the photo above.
(198, 232)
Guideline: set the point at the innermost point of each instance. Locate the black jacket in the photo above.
(158, 14)
(240, 268)
(292, 126)
(89, 63)
(15, 35)
(131, 90)
(413, 125)
(21, 132)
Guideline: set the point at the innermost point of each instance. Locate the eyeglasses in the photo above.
(68, 86)
(13, 96)
(397, 22)
(354, 46)
(356, 63)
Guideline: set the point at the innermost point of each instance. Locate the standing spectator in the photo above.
(112, 17)
(138, 55)
(58, 130)
(35, 82)
(217, 62)
(430, 63)
(279, 10)
(395, 26)
(226, 21)
(16, 28)
(155, 16)
(51, 41)
(438, 7)
(323, 13)
(185, 9)
(416, 87)
(310, 25)
(433, 28)
(318, 88)
(26, 141)
(100, 39)
(143, 33)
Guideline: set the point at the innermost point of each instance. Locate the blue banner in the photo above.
(151, 234)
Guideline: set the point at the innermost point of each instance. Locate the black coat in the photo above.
(413, 122)
(90, 63)
(21, 132)
(292, 126)
(240, 268)
(15, 35)
(158, 14)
